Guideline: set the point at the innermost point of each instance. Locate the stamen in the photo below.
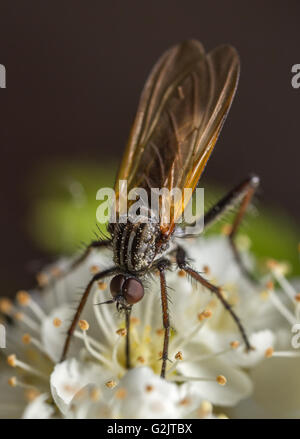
(42, 279)
(181, 273)
(83, 325)
(24, 299)
(221, 380)
(24, 318)
(282, 308)
(57, 322)
(121, 393)
(111, 384)
(205, 409)
(269, 352)
(6, 306)
(206, 314)
(14, 362)
(234, 344)
(102, 285)
(93, 352)
(149, 388)
(94, 269)
(179, 356)
(122, 332)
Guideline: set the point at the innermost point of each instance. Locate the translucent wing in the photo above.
(181, 112)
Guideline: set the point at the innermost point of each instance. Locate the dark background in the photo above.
(75, 70)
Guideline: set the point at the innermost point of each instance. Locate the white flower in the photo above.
(208, 364)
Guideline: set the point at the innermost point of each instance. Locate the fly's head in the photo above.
(126, 290)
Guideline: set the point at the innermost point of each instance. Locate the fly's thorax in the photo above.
(135, 245)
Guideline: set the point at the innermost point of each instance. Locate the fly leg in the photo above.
(80, 307)
(242, 195)
(183, 265)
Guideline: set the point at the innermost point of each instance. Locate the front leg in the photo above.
(183, 265)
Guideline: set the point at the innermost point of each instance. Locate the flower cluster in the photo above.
(209, 374)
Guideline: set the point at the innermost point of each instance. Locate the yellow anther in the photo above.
(149, 388)
(12, 381)
(234, 344)
(102, 285)
(111, 384)
(140, 359)
(42, 279)
(135, 321)
(31, 394)
(206, 269)
(122, 332)
(11, 360)
(95, 394)
(181, 273)
(179, 356)
(57, 322)
(269, 352)
(23, 298)
(206, 314)
(18, 316)
(26, 338)
(270, 285)
(121, 393)
(221, 380)
(185, 401)
(94, 269)
(83, 325)
(297, 297)
(5, 305)
(160, 331)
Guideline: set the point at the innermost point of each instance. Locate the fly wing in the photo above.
(181, 111)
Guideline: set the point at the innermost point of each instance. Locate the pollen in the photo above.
(185, 402)
(23, 298)
(122, 332)
(179, 356)
(205, 409)
(26, 338)
(269, 352)
(111, 384)
(270, 285)
(94, 269)
(55, 271)
(95, 394)
(31, 394)
(83, 325)
(297, 297)
(11, 360)
(12, 381)
(149, 388)
(181, 273)
(206, 314)
(160, 331)
(102, 285)
(57, 322)
(221, 380)
(121, 393)
(140, 359)
(5, 305)
(42, 279)
(234, 344)
(18, 316)
(206, 269)
(135, 321)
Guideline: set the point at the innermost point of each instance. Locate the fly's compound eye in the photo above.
(116, 285)
(133, 291)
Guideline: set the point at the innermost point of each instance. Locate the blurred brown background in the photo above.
(74, 74)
